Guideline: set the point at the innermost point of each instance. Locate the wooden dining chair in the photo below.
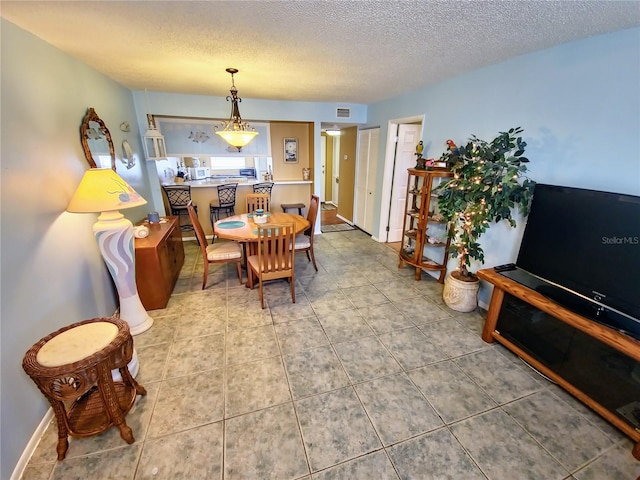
(275, 257)
(221, 252)
(258, 200)
(304, 241)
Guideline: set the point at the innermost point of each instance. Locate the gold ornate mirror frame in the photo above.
(86, 130)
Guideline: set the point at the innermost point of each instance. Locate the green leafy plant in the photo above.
(488, 183)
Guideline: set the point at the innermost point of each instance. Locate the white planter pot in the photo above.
(460, 296)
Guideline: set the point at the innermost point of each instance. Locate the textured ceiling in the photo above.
(335, 51)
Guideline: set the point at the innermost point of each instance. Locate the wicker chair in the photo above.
(221, 252)
(304, 241)
(226, 202)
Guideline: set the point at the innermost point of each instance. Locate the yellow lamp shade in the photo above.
(103, 190)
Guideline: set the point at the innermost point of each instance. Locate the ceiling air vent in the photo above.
(343, 112)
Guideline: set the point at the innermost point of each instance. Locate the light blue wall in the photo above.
(578, 103)
(52, 272)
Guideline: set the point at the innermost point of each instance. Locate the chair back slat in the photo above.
(257, 200)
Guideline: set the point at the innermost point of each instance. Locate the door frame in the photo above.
(322, 177)
(389, 171)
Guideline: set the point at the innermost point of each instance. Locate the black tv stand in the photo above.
(564, 345)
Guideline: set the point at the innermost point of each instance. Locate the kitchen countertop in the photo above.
(240, 182)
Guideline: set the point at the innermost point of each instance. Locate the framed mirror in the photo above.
(96, 141)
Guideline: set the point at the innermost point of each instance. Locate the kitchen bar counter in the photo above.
(284, 191)
(240, 181)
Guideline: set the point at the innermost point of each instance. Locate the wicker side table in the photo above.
(72, 368)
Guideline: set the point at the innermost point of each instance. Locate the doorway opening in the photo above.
(331, 222)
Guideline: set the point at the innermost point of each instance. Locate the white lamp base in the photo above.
(114, 235)
(133, 366)
(136, 316)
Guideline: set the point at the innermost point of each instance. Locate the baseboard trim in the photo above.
(350, 222)
(32, 445)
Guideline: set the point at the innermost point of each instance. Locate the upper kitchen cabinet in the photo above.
(194, 137)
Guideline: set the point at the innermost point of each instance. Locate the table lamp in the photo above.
(103, 191)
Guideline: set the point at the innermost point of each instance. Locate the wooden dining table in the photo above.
(243, 229)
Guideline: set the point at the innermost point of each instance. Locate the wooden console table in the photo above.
(159, 258)
(625, 344)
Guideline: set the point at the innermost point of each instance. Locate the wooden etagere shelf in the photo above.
(424, 238)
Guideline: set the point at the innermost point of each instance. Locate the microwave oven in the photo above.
(198, 173)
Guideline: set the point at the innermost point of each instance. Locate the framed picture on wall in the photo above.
(290, 150)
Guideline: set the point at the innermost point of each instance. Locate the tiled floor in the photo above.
(368, 376)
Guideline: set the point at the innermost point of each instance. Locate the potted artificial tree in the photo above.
(488, 182)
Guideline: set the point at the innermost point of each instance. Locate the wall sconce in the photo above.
(235, 132)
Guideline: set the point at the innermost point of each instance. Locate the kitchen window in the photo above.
(226, 163)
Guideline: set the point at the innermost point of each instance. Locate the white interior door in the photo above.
(366, 173)
(361, 178)
(372, 179)
(408, 138)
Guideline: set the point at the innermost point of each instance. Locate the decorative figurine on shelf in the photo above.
(420, 162)
(449, 158)
(452, 147)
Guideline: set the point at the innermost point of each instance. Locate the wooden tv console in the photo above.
(625, 344)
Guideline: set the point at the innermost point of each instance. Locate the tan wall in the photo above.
(280, 131)
(348, 143)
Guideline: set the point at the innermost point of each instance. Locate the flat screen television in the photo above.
(585, 245)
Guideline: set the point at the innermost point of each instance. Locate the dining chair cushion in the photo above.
(224, 251)
(302, 241)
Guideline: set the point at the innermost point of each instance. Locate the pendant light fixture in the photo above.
(235, 132)
(154, 147)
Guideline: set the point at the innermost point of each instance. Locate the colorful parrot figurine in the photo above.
(419, 149)
(452, 147)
